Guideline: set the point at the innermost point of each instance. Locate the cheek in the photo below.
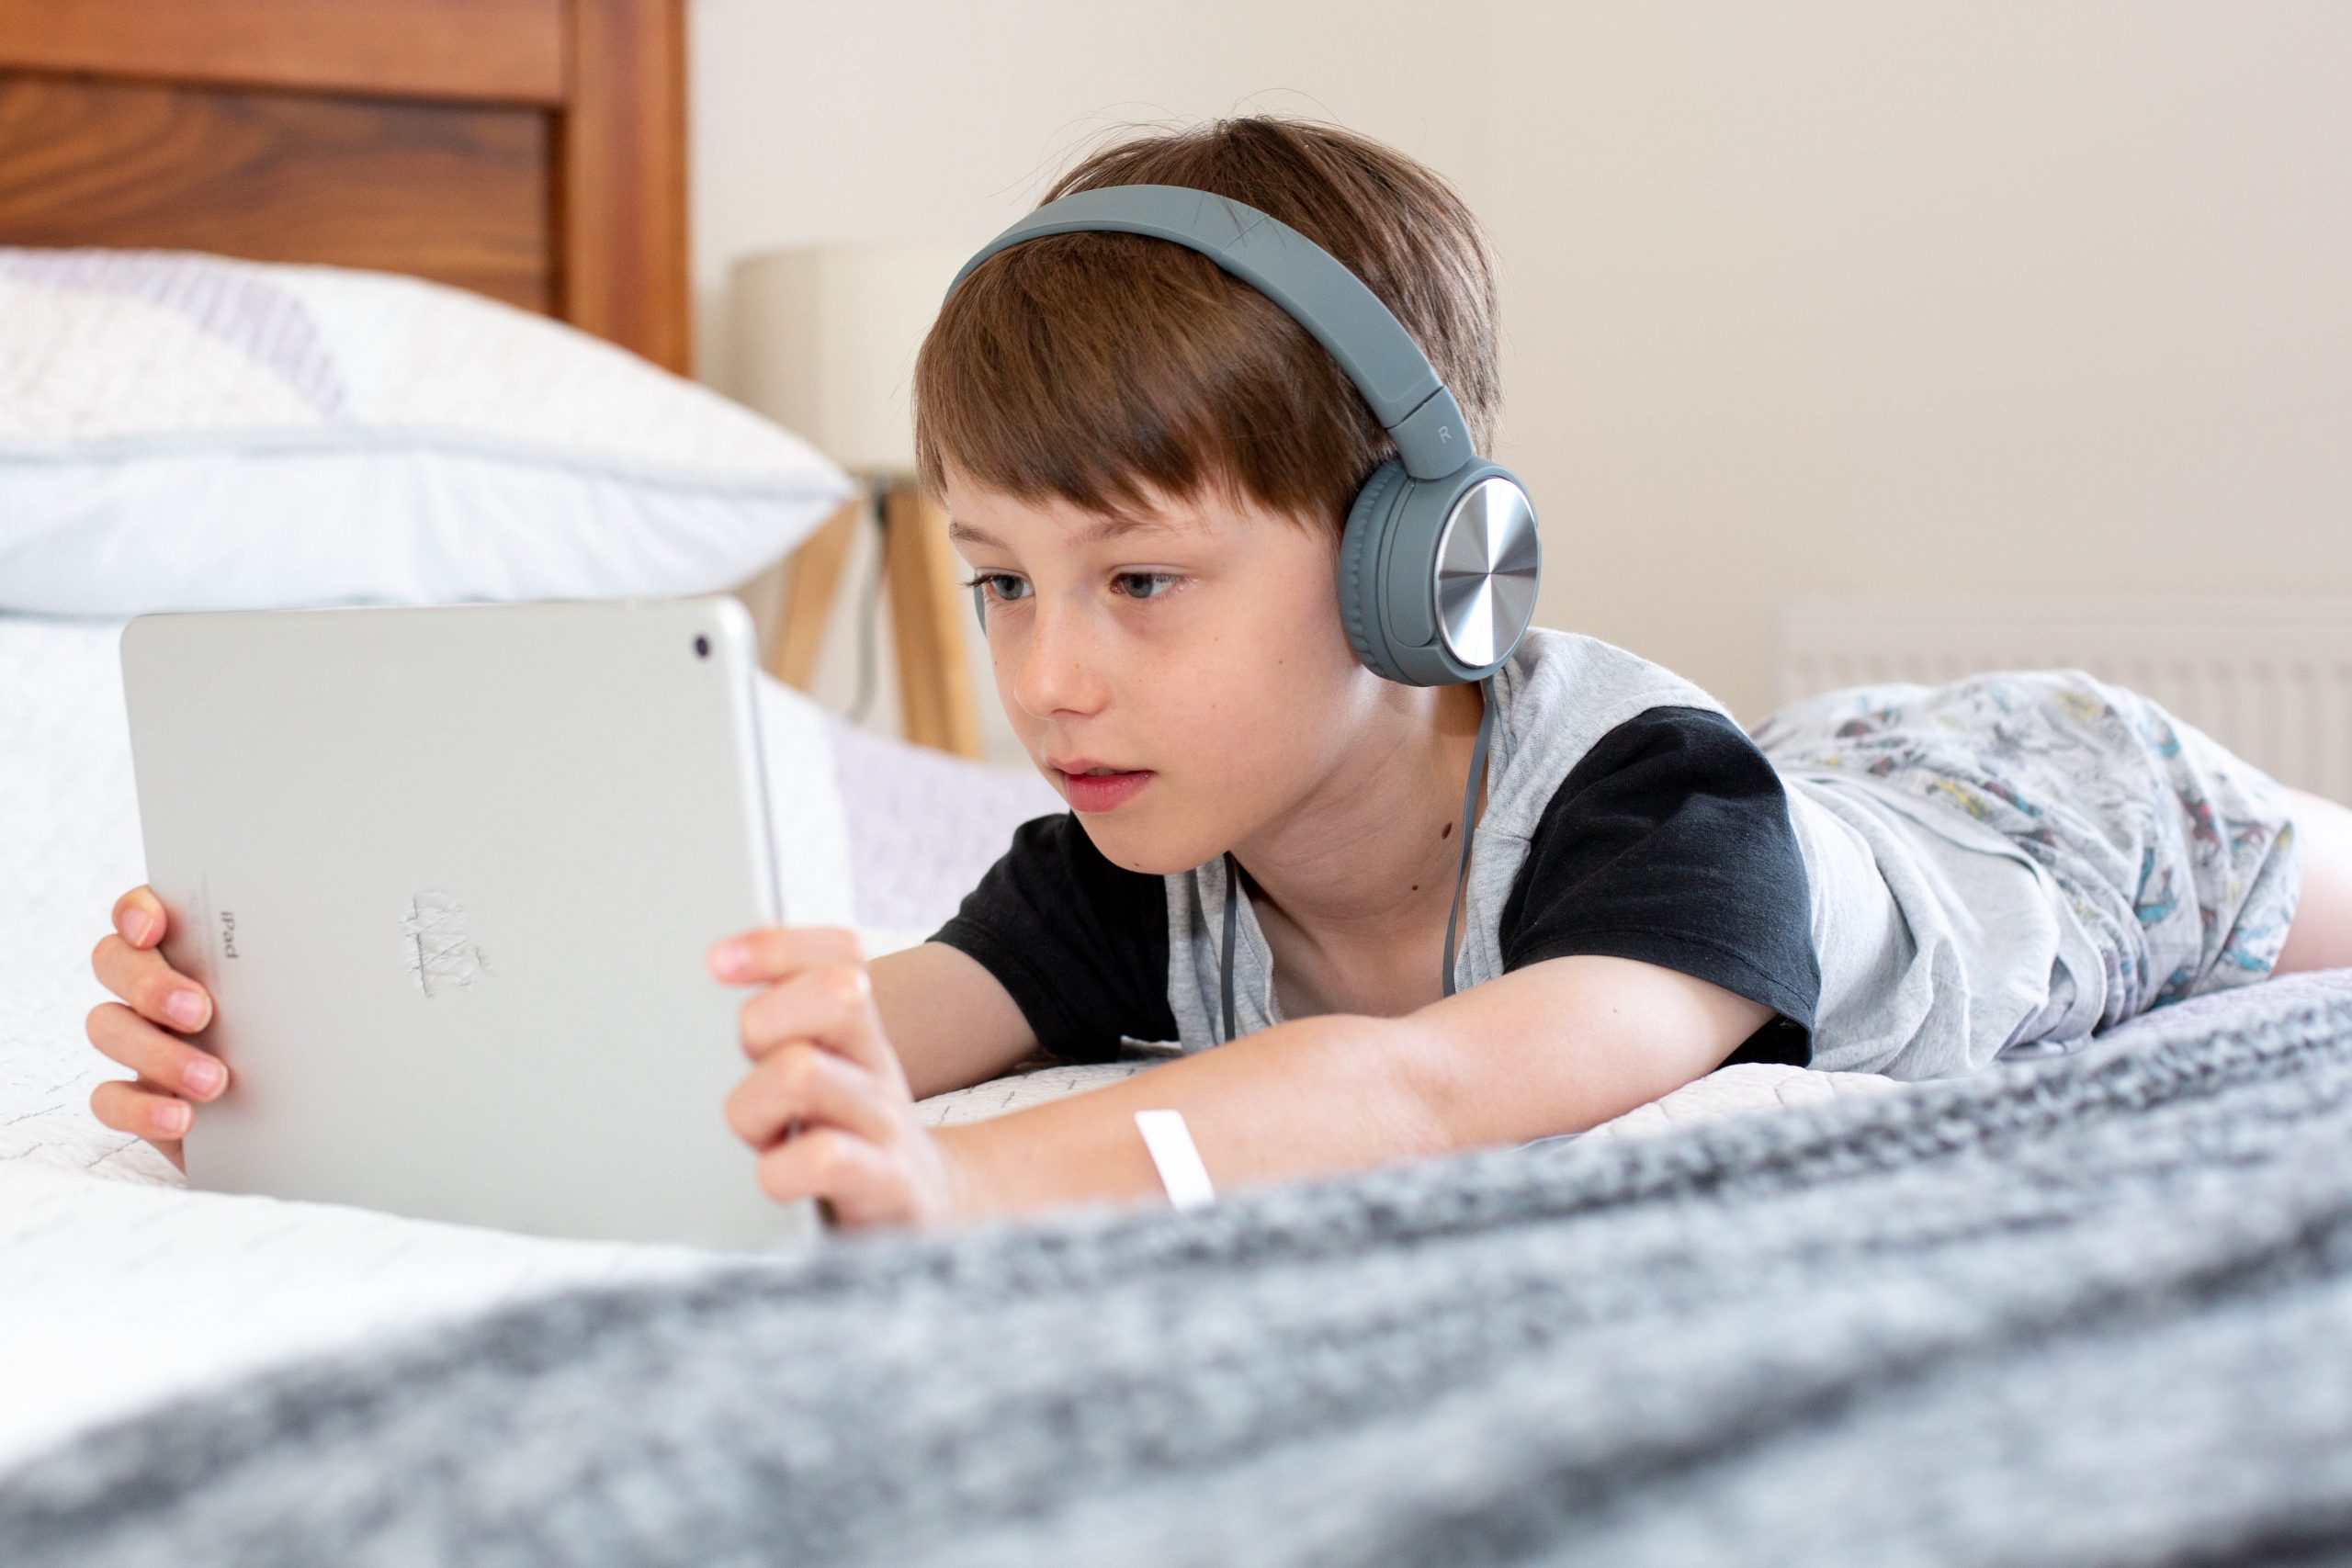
(1249, 717)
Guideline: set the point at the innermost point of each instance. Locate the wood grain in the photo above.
(493, 50)
(934, 680)
(532, 149)
(455, 194)
(812, 583)
(622, 200)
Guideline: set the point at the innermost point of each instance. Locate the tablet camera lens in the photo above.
(702, 648)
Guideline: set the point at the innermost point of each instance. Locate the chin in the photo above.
(1131, 846)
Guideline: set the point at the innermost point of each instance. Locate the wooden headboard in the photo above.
(534, 151)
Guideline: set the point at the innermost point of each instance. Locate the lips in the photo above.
(1101, 792)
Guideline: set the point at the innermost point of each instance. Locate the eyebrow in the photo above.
(1109, 528)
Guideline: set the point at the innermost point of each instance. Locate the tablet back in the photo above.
(449, 873)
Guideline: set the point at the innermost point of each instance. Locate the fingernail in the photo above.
(731, 957)
(203, 1074)
(185, 1009)
(174, 1118)
(140, 927)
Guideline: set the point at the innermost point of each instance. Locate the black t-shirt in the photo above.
(1668, 841)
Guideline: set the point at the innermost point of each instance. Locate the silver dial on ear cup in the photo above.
(1486, 563)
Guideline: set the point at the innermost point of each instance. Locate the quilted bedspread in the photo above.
(2092, 1309)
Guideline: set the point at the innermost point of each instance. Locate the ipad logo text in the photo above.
(227, 933)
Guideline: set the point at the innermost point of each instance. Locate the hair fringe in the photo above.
(1115, 371)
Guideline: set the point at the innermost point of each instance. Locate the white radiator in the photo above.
(2271, 679)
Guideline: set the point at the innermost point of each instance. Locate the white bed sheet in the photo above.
(119, 1288)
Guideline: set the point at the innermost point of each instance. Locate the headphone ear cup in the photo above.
(1394, 590)
(1362, 544)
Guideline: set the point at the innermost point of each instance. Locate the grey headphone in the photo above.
(1440, 561)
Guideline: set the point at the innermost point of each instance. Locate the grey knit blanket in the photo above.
(2093, 1310)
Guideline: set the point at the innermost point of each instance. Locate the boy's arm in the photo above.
(952, 1023)
(1558, 1047)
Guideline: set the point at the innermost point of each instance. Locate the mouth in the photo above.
(1101, 789)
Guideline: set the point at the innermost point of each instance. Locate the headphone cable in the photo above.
(1469, 804)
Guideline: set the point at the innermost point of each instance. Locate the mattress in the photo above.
(119, 1288)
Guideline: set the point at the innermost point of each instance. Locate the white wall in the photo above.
(1846, 296)
(1821, 296)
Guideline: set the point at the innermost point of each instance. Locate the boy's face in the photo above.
(1201, 647)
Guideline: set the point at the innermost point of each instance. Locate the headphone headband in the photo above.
(1332, 302)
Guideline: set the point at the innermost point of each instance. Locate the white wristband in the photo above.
(1173, 1156)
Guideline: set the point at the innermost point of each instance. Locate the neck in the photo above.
(1368, 861)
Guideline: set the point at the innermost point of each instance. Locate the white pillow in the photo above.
(183, 432)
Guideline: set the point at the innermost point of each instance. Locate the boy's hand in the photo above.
(824, 1062)
(141, 1035)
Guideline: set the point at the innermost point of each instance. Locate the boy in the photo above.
(1146, 463)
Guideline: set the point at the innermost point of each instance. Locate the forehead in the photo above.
(994, 518)
(1093, 533)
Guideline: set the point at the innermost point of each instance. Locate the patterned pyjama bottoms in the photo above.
(2179, 857)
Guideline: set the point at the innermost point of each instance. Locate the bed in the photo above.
(541, 164)
(164, 1353)
(97, 1230)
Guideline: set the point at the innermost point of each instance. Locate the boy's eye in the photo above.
(994, 579)
(1162, 577)
(998, 590)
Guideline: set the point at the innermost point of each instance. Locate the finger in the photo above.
(123, 1036)
(832, 1004)
(159, 993)
(141, 1110)
(858, 1181)
(804, 1083)
(138, 916)
(778, 952)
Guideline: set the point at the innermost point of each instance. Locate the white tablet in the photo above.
(449, 873)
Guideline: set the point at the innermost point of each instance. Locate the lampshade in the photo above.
(825, 339)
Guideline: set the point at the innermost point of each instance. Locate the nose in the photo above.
(1057, 668)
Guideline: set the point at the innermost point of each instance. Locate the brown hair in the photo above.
(1089, 365)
